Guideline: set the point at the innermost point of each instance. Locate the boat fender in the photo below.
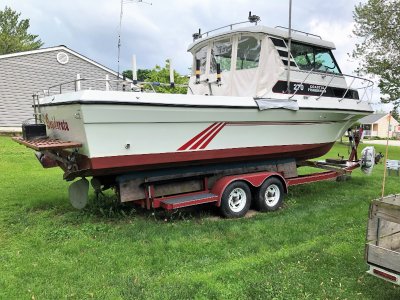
(368, 159)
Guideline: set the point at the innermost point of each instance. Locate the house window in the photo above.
(221, 53)
(314, 58)
(248, 52)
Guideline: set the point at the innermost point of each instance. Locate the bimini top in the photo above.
(298, 36)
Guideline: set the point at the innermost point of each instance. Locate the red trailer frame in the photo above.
(232, 193)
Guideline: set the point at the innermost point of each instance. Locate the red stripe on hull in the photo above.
(125, 163)
(212, 136)
(200, 141)
(187, 144)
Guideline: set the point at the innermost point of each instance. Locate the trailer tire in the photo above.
(235, 200)
(270, 195)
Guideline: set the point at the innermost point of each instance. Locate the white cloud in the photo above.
(341, 34)
(164, 29)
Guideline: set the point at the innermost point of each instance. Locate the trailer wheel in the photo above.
(235, 200)
(270, 195)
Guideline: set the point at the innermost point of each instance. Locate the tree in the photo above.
(14, 36)
(160, 74)
(142, 74)
(395, 114)
(378, 24)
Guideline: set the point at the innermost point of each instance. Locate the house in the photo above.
(25, 73)
(377, 125)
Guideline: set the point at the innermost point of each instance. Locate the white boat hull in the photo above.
(123, 136)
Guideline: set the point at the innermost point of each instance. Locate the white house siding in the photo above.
(21, 76)
(383, 125)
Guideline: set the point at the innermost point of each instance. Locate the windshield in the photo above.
(201, 55)
(221, 53)
(248, 53)
(313, 58)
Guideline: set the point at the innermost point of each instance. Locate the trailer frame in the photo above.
(175, 188)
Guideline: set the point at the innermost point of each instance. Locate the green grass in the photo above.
(313, 248)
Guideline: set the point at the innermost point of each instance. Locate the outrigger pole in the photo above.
(289, 46)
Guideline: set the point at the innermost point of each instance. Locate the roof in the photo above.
(300, 37)
(59, 48)
(371, 118)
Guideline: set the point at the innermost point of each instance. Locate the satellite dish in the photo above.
(368, 159)
(78, 193)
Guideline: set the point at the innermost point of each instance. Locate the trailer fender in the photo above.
(255, 180)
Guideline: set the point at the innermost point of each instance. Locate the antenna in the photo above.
(253, 18)
(289, 46)
(120, 26)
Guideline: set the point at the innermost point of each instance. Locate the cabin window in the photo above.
(248, 53)
(221, 53)
(201, 55)
(314, 58)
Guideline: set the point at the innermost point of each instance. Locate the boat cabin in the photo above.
(253, 61)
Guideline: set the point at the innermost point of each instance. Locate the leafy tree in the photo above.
(142, 74)
(160, 74)
(378, 24)
(395, 114)
(14, 36)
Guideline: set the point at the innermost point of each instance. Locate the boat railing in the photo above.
(299, 31)
(363, 86)
(254, 19)
(105, 84)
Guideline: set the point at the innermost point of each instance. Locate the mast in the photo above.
(119, 37)
(120, 28)
(289, 46)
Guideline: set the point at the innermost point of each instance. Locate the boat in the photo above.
(249, 99)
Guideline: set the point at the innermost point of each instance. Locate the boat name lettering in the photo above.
(54, 124)
(317, 88)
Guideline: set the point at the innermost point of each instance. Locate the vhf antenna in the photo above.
(120, 26)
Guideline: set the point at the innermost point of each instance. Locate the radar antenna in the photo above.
(254, 18)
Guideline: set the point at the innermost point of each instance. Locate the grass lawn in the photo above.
(313, 248)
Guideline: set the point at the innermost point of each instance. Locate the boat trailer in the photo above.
(231, 187)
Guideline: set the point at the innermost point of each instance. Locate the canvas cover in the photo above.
(254, 82)
(264, 104)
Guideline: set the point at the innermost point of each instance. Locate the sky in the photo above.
(163, 30)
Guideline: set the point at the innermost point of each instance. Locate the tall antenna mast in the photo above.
(119, 34)
(289, 46)
(120, 25)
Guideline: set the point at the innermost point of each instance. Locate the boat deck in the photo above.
(47, 144)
